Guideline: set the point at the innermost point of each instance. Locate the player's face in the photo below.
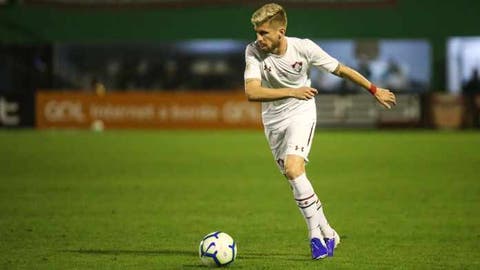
(268, 37)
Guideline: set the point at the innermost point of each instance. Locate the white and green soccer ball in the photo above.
(217, 249)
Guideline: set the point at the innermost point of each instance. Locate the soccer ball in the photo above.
(217, 249)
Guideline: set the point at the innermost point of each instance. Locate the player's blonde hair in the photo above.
(271, 13)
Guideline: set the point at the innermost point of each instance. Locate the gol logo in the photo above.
(64, 111)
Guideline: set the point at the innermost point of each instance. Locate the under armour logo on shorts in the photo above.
(297, 147)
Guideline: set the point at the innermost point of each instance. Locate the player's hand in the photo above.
(305, 93)
(385, 97)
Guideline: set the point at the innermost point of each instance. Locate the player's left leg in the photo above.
(290, 142)
(299, 137)
(307, 202)
(303, 193)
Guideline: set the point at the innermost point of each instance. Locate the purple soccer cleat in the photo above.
(332, 243)
(319, 250)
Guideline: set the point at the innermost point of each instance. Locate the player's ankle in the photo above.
(315, 233)
(328, 232)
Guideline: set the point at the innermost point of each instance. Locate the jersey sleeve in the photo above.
(252, 64)
(319, 58)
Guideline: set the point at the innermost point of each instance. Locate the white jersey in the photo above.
(291, 70)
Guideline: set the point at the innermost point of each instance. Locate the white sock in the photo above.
(307, 203)
(327, 231)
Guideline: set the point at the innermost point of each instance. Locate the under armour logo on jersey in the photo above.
(265, 67)
(297, 66)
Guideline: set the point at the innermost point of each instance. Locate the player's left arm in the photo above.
(383, 96)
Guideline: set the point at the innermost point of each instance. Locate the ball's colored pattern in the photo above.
(217, 249)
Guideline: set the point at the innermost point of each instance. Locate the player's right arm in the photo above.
(255, 92)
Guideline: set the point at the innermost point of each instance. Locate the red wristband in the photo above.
(372, 89)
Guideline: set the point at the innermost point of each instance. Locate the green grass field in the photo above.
(144, 200)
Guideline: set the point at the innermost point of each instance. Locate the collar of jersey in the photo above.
(280, 56)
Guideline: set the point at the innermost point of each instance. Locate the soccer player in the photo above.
(277, 74)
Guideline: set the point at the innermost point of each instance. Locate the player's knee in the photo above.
(293, 171)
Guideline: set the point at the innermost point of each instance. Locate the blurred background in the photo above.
(184, 154)
(135, 64)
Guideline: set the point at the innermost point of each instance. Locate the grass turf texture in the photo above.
(144, 200)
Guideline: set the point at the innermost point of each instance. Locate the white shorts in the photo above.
(294, 137)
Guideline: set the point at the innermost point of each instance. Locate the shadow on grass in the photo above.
(133, 252)
(172, 252)
(276, 256)
(244, 255)
(116, 252)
